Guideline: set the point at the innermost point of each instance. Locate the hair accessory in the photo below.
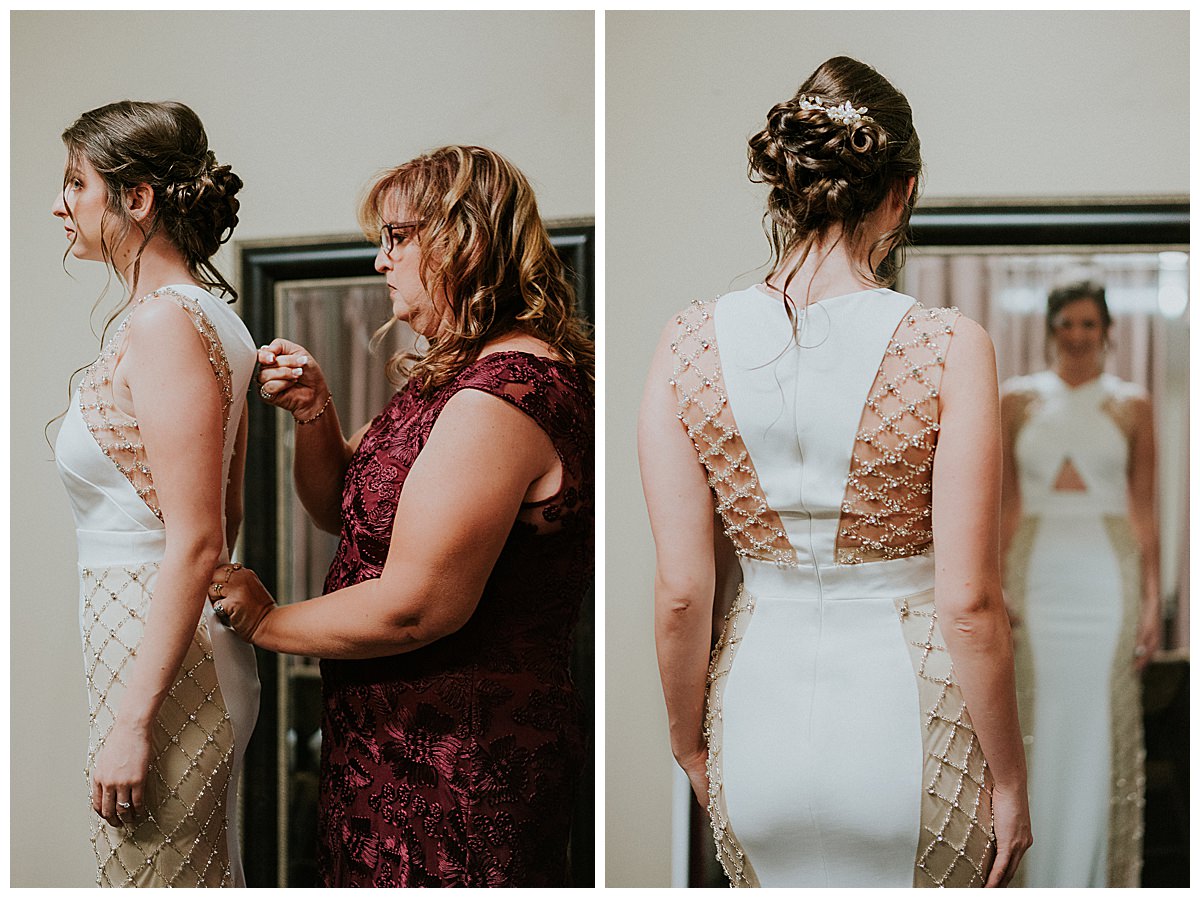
(844, 114)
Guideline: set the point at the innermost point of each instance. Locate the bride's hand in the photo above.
(1010, 822)
(290, 378)
(696, 768)
(239, 599)
(119, 775)
(1149, 636)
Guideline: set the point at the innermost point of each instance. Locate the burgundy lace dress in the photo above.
(457, 763)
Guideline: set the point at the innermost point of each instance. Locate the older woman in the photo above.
(452, 740)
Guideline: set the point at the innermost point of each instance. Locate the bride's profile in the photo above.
(152, 451)
(848, 718)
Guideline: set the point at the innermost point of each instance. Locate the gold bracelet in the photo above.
(328, 399)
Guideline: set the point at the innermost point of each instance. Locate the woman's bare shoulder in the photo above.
(517, 342)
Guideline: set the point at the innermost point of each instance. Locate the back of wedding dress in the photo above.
(840, 728)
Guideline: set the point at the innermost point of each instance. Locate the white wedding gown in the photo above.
(189, 835)
(840, 749)
(1073, 575)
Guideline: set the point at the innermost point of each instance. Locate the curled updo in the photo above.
(484, 248)
(828, 170)
(164, 146)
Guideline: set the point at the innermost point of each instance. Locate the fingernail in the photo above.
(303, 360)
(297, 371)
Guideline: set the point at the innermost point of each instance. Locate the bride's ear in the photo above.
(139, 202)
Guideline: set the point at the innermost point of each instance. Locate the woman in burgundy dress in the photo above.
(452, 740)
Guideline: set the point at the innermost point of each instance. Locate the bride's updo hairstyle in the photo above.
(831, 155)
(162, 145)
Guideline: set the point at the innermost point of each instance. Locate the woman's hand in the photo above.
(1010, 822)
(119, 775)
(696, 768)
(240, 600)
(1149, 636)
(289, 378)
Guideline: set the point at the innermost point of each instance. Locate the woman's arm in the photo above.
(292, 380)
(968, 598)
(454, 515)
(681, 519)
(1010, 491)
(178, 405)
(1144, 520)
(235, 488)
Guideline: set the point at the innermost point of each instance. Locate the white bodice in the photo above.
(798, 408)
(1075, 426)
(113, 522)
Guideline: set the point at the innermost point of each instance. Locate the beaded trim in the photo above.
(755, 530)
(729, 851)
(888, 503)
(956, 844)
(181, 838)
(117, 433)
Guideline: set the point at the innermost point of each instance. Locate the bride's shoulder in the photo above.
(1024, 385)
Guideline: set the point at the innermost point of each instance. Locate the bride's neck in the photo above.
(160, 265)
(827, 270)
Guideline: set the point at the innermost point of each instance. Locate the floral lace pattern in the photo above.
(457, 763)
(887, 510)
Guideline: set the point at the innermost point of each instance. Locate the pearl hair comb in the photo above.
(844, 114)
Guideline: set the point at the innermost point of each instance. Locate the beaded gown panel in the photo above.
(188, 834)
(840, 751)
(456, 764)
(1073, 575)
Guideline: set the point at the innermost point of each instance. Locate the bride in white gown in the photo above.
(1082, 578)
(856, 724)
(152, 451)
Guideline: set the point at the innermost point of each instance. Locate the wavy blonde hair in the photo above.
(483, 247)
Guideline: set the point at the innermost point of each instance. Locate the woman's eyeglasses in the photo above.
(388, 239)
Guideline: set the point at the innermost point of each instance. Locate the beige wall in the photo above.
(1007, 105)
(305, 106)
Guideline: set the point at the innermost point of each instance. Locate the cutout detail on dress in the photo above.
(115, 432)
(888, 503)
(755, 530)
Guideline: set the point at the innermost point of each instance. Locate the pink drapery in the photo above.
(1007, 295)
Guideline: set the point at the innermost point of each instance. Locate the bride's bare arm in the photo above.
(235, 488)
(681, 518)
(969, 601)
(1143, 517)
(1010, 492)
(178, 406)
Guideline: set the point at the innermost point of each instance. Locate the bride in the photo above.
(152, 451)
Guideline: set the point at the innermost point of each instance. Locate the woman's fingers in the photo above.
(277, 347)
(999, 875)
(108, 806)
(281, 374)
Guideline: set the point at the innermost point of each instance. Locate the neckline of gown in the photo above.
(766, 293)
(1075, 388)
